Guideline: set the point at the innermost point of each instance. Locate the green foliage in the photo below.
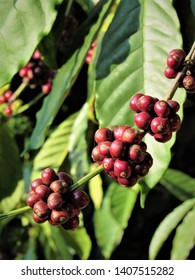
(133, 40)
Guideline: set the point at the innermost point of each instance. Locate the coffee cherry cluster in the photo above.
(122, 154)
(89, 56)
(157, 117)
(51, 200)
(175, 63)
(37, 73)
(4, 99)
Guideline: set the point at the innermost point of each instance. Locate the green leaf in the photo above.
(169, 223)
(62, 84)
(133, 60)
(80, 241)
(53, 242)
(55, 149)
(96, 189)
(179, 184)
(86, 5)
(78, 146)
(10, 165)
(115, 211)
(184, 239)
(22, 25)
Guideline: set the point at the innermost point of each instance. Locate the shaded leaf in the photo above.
(10, 164)
(63, 82)
(78, 145)
(55, 149)
(86, 5)
(96, 189)
(16, 21)
(184, 239)
(80, 241)
(116, 210)
(179, 183)
(169, 223)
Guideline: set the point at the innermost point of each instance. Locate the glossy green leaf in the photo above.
(78, 145)
(184, 239)
(80, 241)
(22, 25)
(115, 211)
(165, 228)
(133, 60)
(55, 149)
(53, 242)
(10, 164)
(179, 183)
(62, 84)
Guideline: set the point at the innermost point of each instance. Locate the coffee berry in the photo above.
(124, 156)
(52, 200)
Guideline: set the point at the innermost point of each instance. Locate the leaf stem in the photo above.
(18, 91)
(189, 58)
(14, 212)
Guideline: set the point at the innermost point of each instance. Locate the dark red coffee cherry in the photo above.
(31, 199)
(108, 163)
(48, 175)
(162, 109)
(143, 145)
(148, 159)
(136, 153)
(131, 135)
(104, 148)
(37, 219)
(145, 103)
(42, 192)
(59, 186)
(55, 201)
(178, 52)
(95, 154)
(174, 105)
(162, 138)
(103, 134)
(122, 168)
(119, 130)
(175, 123)
(71, 224)
(35, 183)
(128, 182)
(143, 120)
(112, 175)
(170, 73)
(72, 211)
(118, 148)
(174, 61)
(141, 169)
(59, 217)
(79, 199)
(160, 125)
(66, 177)
(41, 209)
(189, 82)
(133, 102)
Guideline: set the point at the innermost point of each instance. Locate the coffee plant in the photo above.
(96, 129)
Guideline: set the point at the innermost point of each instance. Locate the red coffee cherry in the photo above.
(118, 148)
(162, 138)
(141, 169)
(143, 120)
(59, 186)
(79, 199)
(42, 192)
(66, 177)
(104, 148)
(31, 199)
(160, 125)
(136, 153)
(189, 82)
(103, 134)
(128, 182)
(35, 183)
(41, 209)
(48, 175)
(178, 52)
(122, 168)
(55, 201)
(71, 224)
(119, 130)
(162, 109)
(59, 217)
(37, 219)
(131, 135)
(174, 61)
(95, 154)
(170, 73)
(145, 103)
(174, 105)
(133, 102)
(175, 123)
(108, 164)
